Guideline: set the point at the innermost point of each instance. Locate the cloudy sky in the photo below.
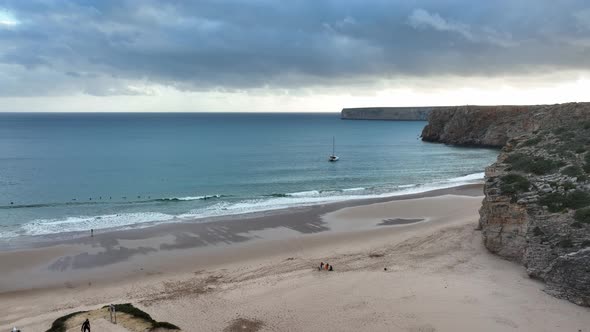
(258, 55)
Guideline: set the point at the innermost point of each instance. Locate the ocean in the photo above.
(73, 172)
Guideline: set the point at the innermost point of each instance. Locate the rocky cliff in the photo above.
(495, 125)
(536, 209)
(387, 113)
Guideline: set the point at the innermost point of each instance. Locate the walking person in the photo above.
(85, 326)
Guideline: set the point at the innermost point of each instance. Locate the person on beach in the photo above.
(327, 266)
(321, 265)
(330, 269)
(85, 326)
(91, 232)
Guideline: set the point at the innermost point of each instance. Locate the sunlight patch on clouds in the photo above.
(443, 91)
(7, 19)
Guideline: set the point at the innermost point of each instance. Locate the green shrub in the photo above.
(583, 215)
(556, 202)
(531, 164)
(553, 201)
(568, 185)
(537, 231)
(577, 199)
(564, 153)
(59, 325)
(532, 141)
(164, 325)
(573, 171)
(514, 183)
(565, 243)
(128, 308)
(567, 135)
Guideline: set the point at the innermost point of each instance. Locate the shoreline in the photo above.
(115, 255)
(44, 240)
(19, 241)
(429, 273)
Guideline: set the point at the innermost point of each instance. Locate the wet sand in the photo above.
(261, 270)
(111, 255)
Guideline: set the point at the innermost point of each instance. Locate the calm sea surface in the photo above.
(73, 172)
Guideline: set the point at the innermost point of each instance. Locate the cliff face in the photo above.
(495, 125)
(387, 113)
(536, 209)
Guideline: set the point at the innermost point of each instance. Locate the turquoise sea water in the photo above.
(73, 172)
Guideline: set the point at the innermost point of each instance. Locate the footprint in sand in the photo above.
(422, 328)
(470, 300)
(505, 321)
(244, 325)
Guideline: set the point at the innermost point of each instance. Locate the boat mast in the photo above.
(333, 145)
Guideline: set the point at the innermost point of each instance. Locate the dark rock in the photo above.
(534, 225)
(387, 113)
(493, 126)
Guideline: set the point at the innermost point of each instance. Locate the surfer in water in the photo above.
(85, 326)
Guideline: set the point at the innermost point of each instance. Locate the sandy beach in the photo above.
(412, 263)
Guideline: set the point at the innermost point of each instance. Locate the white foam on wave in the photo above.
(353, 189)
(314, 197)
(467, 178)
(305, 198)
(310, 193)
(85, 223)
(191, 198)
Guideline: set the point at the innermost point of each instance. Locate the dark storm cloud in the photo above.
(96, 47)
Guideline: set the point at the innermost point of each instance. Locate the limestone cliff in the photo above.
(536, 209)
(387, 113)
(495, 125)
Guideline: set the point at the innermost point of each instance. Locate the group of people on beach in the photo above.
(326, 267)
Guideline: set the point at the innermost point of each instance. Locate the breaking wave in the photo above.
(219, 207)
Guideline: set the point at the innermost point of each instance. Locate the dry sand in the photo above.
(439, 276)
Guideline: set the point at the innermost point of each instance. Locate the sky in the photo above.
(262, 55)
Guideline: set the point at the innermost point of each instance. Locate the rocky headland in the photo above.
(493, 126)
(536, 209)
(387, 113)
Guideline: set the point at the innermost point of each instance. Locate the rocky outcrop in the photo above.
(494, 125)
(568, 277)
(387, 113)
(536, 209)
